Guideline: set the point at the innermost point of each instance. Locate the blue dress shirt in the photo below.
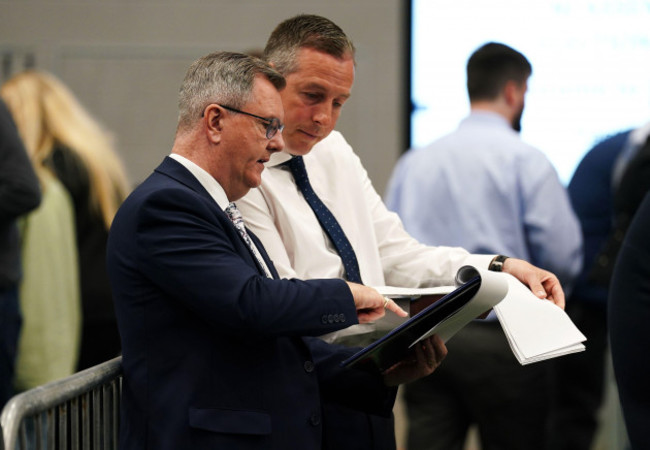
(482, 188)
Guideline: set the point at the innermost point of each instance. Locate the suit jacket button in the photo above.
(309, 366)
(315, 419)
(342, 318)
(324, 319)
(330, 318)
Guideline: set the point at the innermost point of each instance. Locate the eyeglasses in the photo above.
(272, 125)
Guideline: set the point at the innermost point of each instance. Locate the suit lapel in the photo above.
(265, 255)
(178, 172)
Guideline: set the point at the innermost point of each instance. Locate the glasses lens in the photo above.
(273, 127)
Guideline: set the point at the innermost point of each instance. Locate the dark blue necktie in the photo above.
(326, 219)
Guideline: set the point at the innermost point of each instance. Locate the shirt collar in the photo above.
(278, 158)
(487, 117)
(207, 181)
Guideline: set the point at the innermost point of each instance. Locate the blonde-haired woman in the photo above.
(63, 139)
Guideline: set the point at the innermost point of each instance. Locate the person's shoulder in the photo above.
(155, 184)
(615, 138)
(332, 148)
(160, 184)
(523, 149)
(334, 142)
(538, 160)
(612, 143)
(164, 197)
(410, 158)
(531, 163)
(437, 146)
(526, 148)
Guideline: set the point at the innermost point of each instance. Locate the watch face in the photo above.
(497, 263)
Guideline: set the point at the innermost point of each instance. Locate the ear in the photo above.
(514, 92)
(510, 92)
(213, 118)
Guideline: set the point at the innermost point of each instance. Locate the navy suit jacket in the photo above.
(591, 194)
(216, 355)
(628, 318)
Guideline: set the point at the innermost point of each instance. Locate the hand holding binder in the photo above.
(428, 354)
(536, 329)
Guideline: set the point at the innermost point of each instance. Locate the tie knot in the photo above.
(297, 166)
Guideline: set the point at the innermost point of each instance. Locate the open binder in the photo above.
(444, 317)
(536, 329)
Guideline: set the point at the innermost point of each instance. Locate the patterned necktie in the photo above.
(326, 219)
(235, 216)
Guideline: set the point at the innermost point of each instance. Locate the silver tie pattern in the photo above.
(236, 218)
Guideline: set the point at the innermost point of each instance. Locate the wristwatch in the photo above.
(496, 265)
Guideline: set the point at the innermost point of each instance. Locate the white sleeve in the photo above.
(405, 261)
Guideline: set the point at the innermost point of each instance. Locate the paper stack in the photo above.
(536, 329)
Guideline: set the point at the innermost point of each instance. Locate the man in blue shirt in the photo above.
(483, 189)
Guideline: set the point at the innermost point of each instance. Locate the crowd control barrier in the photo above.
(73, 413)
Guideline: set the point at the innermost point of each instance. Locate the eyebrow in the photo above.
(320, 87)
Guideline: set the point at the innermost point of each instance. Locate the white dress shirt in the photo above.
(292, 236)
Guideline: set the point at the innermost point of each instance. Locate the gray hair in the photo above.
(221, 77)
(305, 31)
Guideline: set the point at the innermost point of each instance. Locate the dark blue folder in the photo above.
(394, 346)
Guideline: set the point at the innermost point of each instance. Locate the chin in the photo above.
(254, 183)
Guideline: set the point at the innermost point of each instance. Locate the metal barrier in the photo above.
(77, 412)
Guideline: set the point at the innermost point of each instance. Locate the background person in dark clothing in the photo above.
(628, 315)
(19, 194)
(72, 145)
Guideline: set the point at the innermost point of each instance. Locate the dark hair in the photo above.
(301, 31)
(221, 77)
(491, 66)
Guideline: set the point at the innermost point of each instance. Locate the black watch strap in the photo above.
(496, 265)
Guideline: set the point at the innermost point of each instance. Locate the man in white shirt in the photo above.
(218, 352)
(317, 60)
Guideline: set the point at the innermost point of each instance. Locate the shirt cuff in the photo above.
(479, 261)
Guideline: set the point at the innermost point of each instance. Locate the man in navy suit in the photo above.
(218, 352)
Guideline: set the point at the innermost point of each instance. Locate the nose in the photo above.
(323, 114)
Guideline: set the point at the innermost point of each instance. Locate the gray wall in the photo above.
(125, 61)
